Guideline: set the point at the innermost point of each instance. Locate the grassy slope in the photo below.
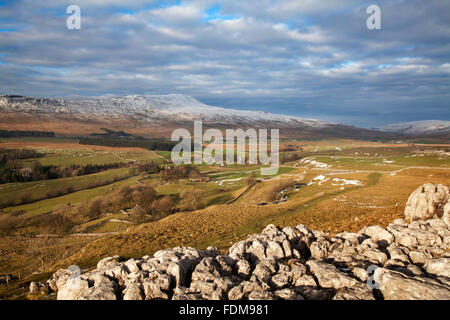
(39, 189)
(221, 225)
(44, 206)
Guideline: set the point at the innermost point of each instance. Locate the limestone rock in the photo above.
(446, 214)
(34, 287)
(439, 267)
(426, 201)
(243, 290)
(378, 234)
(108, 261)
(39, 288)
(398, 286)
(288, 294)
(329, 276)
(133, 292)
(59, 278)
(261, 295)
(182, 293)
(359, 292)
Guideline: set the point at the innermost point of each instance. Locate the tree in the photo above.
(55, 224)
(190, 199)
(144, 195)
(26, 197)
(126, 195)
(95, 207)
(273, 193)
(9, 224)
(138, 214)
(162, 207)
(251, 180)
(179, 172)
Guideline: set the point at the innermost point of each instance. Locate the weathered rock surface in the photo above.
(428, 200)
(396, 285)
(410, 261)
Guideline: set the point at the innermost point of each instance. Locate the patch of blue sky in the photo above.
(352, 7)
(346, 63)
(148, 7)
(384, 65)
(214, 13)
(54, 70)
(308, 22)
(3, 3)
(379, 66)
(127, 11)
(162, 4)
(58, 11)
(302, 24)
(6, 23)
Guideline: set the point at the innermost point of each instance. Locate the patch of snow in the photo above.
(220, 182)
(151, 107)
(315, 163)
(340, 182)
(320, 179)
(418, 127)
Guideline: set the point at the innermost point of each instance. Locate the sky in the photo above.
(308, 58)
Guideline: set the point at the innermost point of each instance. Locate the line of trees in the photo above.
(149, 167)
(18, 134)
(129, 143)
(289, 157)
(15, 171)
(28, 197)
(19, 154)
(174, 173)
(142, 200)
(53, 223)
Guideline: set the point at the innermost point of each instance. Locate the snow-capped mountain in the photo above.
(158, 115)
(416, 128)
(172, 107)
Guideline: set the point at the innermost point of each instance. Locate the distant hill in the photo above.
(419, 128)
(158, 114)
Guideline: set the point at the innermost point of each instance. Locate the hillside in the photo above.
(403, 261)
(419, 128)
(157, 115)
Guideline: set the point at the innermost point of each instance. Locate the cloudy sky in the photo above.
(310, 58)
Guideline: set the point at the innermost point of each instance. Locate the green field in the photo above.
(83, 157)
(45, 206)
(13, 192)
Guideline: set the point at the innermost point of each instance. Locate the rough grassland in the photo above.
(12, 192)
(379, 202)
